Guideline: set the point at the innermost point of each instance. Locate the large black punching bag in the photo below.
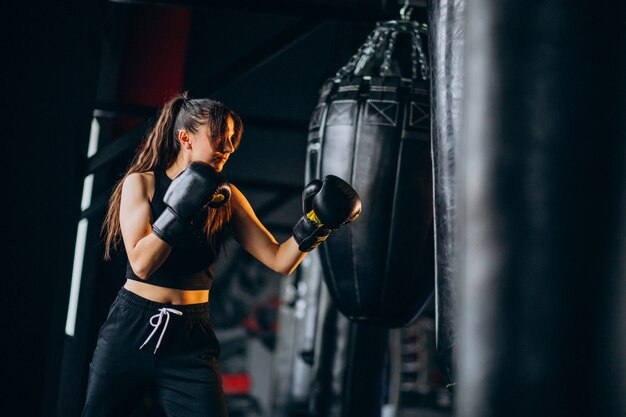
(542, 198)
(447, 30)
(372, 128)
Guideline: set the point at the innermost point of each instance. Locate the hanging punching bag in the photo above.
(371, 127)
(447, 30)
(542, 198)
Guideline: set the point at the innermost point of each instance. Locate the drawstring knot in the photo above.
(159, 318)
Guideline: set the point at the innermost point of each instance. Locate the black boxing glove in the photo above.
(197, 186)
(327, 205)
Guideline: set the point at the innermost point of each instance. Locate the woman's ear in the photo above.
(183, 138)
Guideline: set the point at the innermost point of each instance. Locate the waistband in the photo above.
(142, 305)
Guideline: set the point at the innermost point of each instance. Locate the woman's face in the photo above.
(202, 150)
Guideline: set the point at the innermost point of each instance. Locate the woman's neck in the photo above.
(177, 167)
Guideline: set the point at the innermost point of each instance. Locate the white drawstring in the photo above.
(162, 312)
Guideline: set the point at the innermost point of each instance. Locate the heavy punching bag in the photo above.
(371, 127)
(447, 30)
(542, 198)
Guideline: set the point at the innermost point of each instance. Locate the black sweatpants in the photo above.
(183, 374)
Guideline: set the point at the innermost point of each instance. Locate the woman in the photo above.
(171, 210)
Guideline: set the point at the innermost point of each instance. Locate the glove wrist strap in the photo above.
(308, 235)
(170, 228)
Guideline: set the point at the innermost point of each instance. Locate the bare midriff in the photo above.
(166, 295)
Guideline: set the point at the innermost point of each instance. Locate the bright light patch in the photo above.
(94, 134)
(87, 189)
(81, 235)
(77, 273)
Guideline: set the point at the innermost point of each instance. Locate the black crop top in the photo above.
(188, 267)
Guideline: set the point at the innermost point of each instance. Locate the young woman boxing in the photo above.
(171, 210)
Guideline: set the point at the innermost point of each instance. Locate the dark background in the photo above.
(50, 63)
(265, 62)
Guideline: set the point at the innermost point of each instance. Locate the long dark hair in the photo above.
(160, 149)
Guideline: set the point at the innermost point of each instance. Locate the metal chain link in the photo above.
(370, 51)
(383, 38)
(384, 68)
(366, 47)
(414, 60)
(417, 39)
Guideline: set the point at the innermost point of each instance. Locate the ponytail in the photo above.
(158, 149)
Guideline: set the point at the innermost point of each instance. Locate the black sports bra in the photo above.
(188, 267)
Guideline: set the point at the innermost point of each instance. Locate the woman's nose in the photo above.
(227, 147)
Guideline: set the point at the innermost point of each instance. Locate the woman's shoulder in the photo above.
(139, 184)
(235, 194)
(234, 188)
(239, 202)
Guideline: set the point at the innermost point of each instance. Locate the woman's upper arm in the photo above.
(250, 232)
(134, 211)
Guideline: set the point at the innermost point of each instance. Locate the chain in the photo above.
(417, 44)
(383, 38)
(365, 49)
(371, 49)
(384, 69)
(413, 57)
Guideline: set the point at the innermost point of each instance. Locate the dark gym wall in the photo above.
(50, 54)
